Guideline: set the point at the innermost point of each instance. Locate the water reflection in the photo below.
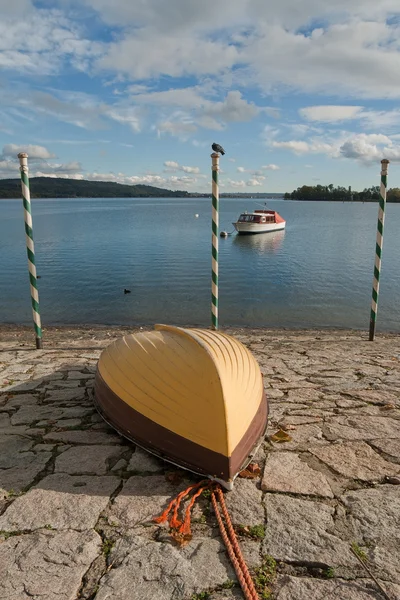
(262, 243)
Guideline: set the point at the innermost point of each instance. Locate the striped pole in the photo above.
(214, 250)
(378, 250)
(30, 248)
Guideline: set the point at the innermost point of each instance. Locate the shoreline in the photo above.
(65, 334)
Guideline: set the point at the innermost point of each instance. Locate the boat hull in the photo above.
(177, 449)
(201, 449)
(251, 228)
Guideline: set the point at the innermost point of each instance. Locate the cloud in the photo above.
(329, 113)
(34, 152)
(255, 181)
(370, 148)
(191, 109)
(83, 110)
(173, 182)
(171, 164)
(40, 41)
(77, 176)
(177, 128)
(270, 167)
(237, 184)
(296, 146)
(370, 118)
(174, 166)
(240, 169)
(363, 147)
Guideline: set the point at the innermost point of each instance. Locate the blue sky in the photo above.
(297, 91)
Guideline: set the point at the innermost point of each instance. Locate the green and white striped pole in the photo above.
(214, 250)
(378, 250)
(30, 248)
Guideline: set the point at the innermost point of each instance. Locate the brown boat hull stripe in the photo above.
(173, 447)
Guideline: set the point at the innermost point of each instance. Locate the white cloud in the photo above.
(254, 182)
(237, 184)
(177, 128)
(270, 167)
(191, 169)
(34, 152)
(370, 148)
(39, 41)
(171, 164)
(77, 176)
(174, 166)
(172, 182)
(372, 119)
(240, 169)
(296, 146)
(191, 108)
(330, 113)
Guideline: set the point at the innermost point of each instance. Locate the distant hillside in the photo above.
(49, 187)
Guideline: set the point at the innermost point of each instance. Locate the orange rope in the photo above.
(176, 501)
(235, 542)
(232, 546)
(181, 531)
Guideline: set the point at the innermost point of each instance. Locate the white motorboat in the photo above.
(259, 221)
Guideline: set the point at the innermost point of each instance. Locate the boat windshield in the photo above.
(246, 218)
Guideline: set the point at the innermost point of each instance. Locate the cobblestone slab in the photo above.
(46, 564)
(65, 476)
(61, 502)
(285, 472)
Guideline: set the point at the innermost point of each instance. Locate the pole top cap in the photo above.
(215, 155)
(385, 160)
(22, 155)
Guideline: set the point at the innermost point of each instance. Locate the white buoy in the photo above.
(196, 215)
(223, 234)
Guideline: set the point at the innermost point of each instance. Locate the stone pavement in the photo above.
(76, 500)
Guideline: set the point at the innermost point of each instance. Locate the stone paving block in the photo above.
(61, 501)
(28, 386)
(67, 423)
(18, 400)
(244, 503)
(46, 564)
(142, 461)
(29, 414)
(304, 588)
(301, 437)
(87, 459)
(356, 460)
(360, 427)
(78, 375)
(301, 530)
(377, 396)
(86, 436)
(142, 498)
(64, 395)
(153, 570)
(11, 447)
(388, 446)
(286, 472)
(374, 515)
(25, 471)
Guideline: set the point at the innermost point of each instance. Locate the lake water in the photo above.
(318, 273)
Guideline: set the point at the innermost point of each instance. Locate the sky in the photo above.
(136, 91)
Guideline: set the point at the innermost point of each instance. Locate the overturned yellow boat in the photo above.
(191, 396)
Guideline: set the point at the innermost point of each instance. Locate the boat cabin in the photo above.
(259, 216)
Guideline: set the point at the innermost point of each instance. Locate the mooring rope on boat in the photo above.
(181, 532)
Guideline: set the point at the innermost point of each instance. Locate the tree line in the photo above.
(340, 193)
(49, 187)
